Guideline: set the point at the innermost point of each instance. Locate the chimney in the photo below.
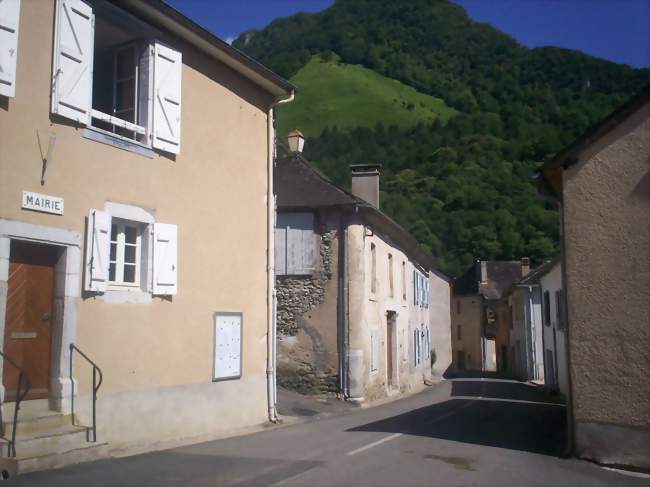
(365, 182)
(484, 278)
(525, 266)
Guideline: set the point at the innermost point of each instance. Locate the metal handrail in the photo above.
(96, 386)
(19, 398)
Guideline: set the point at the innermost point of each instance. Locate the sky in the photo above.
(617, 30)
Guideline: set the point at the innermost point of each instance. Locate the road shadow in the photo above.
(501, 414)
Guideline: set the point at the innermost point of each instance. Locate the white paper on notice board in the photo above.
(227, 346)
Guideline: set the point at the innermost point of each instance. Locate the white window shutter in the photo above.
(98, 246)
(280, 250)
(165, 259)
(167, 67)
(72, 82)
(9, 20)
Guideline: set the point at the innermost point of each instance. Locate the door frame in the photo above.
(392, 382)
(67, 290)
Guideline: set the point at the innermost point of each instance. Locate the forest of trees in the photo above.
(463, 189)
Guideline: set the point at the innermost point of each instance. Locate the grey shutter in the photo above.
(280, 245)
(301, 242)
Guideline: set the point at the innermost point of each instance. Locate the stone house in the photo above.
(123, 186)
(479, 318)
(357, 298)
(602, 181)
(555, 359)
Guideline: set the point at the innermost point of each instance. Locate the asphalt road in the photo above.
(466, 432)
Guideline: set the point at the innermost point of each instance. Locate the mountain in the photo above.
(354, 96)
(460, 182)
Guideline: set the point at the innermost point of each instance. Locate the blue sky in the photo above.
(618, 30)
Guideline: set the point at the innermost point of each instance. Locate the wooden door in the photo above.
(30, 300)
(389, 348)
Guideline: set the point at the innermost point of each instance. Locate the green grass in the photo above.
(348, 96)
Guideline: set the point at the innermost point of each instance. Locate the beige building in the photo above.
(478, 314)
(603, 181)
(124, 183)
(359, 308)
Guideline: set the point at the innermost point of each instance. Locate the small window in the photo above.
(391, 287)
(373, 268)
(125, 253)
(404, 280)
(547, 308)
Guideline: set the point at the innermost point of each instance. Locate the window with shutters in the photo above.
(296, 244)
(134, 255)
(125, 254)
(111, 74)
(404, 280)
(547, 308)
(9, 23)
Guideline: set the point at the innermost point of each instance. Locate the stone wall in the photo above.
(307, 326)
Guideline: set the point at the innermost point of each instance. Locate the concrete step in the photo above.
(55, 440)
(24, 464)
(35, 422)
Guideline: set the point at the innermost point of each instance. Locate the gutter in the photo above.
(270, 263)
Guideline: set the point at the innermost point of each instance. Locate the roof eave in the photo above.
(170, 18)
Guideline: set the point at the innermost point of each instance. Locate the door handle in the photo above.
(46, 316)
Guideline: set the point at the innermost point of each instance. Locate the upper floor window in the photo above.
(296, 244)
(110, 73)
(403, 280)
(391, 287)
(373, 268)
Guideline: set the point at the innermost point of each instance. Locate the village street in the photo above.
(472, 431)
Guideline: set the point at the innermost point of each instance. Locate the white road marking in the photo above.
(499, 399)
(629, 473)
(374, 443)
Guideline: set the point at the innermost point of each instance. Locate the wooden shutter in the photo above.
(9, 21)
(167, 66)
(98, 246)
(73, 61)
(165, 249)
(280, 248)
(300, 241)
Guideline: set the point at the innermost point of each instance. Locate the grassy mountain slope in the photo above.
(463, 187)
(349, 96)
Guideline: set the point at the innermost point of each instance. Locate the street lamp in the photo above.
(296, 141)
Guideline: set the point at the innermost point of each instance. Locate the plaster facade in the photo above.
(555, 358)
(605, 213)
(466, 332)
(157, 354)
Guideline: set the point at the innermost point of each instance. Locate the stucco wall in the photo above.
(440, 322)
(214, 190)
(368, 311)
(554, 335)
(467, 316)
(606, 206)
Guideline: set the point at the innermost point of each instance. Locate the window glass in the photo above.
(124, 262)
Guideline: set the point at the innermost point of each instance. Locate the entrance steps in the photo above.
(45, 439)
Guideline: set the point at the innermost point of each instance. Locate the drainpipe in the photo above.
(270, 271)
(570, 446)
(343, 307)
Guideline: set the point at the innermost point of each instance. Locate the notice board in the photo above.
(227, 346)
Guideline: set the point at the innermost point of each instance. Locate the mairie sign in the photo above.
(42, 202)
